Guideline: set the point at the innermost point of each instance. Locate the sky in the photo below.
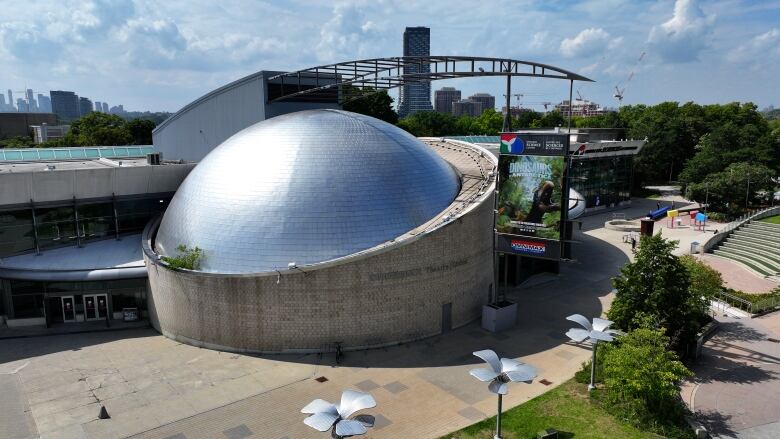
(161, 55)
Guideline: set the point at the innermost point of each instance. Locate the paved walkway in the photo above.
(736, 276)
(735, 392)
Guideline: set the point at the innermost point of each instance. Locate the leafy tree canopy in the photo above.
(657, 285)
(107, 129)
(372, 103)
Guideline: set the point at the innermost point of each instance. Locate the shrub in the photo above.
(188, 258)
(642, 381)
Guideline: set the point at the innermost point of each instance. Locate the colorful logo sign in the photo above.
(512, 144)
(528, 247)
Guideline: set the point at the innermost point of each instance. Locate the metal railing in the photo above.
(748, 306)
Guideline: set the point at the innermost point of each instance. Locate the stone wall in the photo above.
(377, 299)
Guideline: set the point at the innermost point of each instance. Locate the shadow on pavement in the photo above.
(30, 347)
(736, 331)
(717, 424)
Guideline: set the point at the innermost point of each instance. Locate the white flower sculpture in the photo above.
(325, 415)
(593, 333)
(502, 371)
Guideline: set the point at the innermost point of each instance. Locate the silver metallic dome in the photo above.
(305, 187)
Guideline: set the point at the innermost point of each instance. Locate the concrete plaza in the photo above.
(153, 387)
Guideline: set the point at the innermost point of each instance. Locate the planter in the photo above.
(497, 317)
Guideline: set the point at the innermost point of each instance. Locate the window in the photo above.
(96, 221)
(16, 232)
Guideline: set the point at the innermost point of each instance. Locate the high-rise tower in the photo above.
(417, 96)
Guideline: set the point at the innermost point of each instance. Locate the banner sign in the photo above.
(529, 247)
(534, 144)
(531, 193)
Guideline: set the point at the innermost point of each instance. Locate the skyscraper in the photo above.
(487, 100)
(10, 98)
(65, 104)
(21, 106)
(44, 103)
(32, 106)
(98, 107)
(467, 107)
(443, 99)
(417, 96)
(85, 106)
(105, 107)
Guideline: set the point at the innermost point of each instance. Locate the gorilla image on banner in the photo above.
(529, 195)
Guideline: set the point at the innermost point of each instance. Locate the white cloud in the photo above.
(684, 36)
(589, 42)
(347, 32)
(763, 47)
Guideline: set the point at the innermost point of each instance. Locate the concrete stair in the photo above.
(756, 245)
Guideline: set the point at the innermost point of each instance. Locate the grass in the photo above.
(566, 408)
(771, 219)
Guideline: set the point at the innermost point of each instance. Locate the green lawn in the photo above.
(566, 408)
(771, 219)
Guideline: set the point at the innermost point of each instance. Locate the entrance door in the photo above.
(95, 307)
(68, 311)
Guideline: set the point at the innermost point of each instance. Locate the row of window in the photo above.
(603, 181)
(67, 225)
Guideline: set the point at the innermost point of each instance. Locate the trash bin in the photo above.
(694, 247)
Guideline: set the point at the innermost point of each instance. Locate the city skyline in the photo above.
(165, 56)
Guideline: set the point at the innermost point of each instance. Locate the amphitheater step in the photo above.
(758, 235)
(745, 261)
(771, 228)
(771, 265)
(755, 244)
(761, 252)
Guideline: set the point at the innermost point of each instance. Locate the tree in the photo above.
(98, 129)
(706, 282)
(371, 103)
(729, 190)
(642, 378)
(430, 124)
(657, 285)
(141, 131)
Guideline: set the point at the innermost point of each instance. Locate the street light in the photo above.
(595, 332)
(501, 373)
(326, 416)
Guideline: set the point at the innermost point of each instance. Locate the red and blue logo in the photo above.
(512, 144)
(528, 247)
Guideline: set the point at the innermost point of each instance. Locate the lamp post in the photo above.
(593, 333)
(326, 416)
(501, 372)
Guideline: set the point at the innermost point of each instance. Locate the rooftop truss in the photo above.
(349, 78)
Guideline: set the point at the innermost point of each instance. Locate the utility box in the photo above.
(497, 317)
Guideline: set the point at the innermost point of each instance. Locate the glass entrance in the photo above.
(68, 311)
(95, 307)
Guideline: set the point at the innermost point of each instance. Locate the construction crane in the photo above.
(619, 92)
(26, 97)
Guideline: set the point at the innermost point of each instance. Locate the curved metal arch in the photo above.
(386, 73)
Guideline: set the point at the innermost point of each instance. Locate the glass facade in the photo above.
(73, 224)
(44, 299)
(603, 181)
(31, 228)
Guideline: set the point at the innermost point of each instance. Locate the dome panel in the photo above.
(305, 187)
